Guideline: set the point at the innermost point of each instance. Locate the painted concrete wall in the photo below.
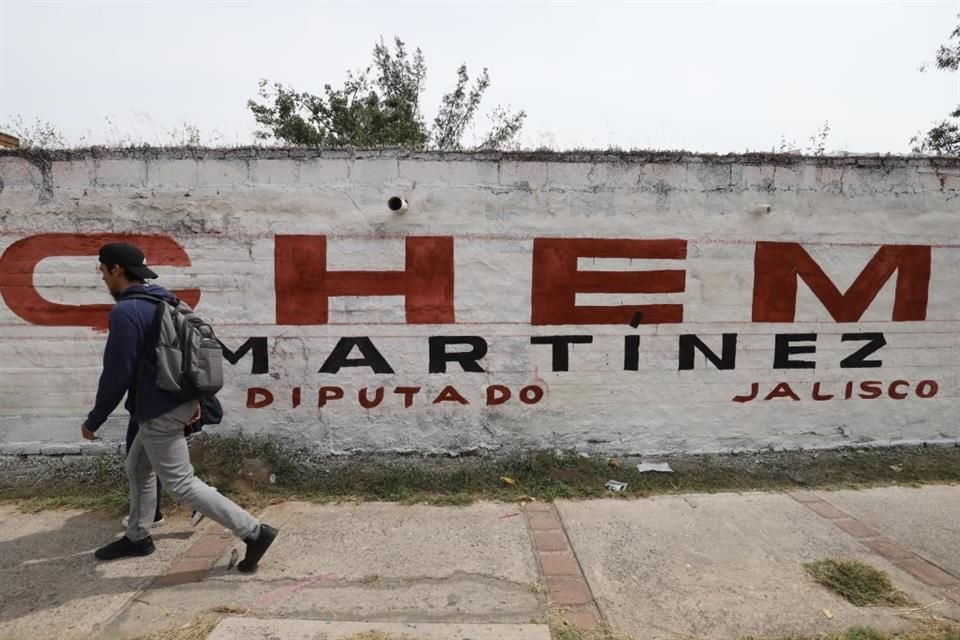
(827, 291)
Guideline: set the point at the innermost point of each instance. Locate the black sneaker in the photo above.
(256, 549)
(125, 548)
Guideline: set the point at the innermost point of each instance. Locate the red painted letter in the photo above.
(18, 262)
(556, 280)
(329, 393)
(778, 265)
(497, 394)
(304, 285)
(258, 398)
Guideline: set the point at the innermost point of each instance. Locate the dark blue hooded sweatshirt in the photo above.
(131, 337)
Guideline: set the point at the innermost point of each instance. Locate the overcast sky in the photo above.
(715, 77)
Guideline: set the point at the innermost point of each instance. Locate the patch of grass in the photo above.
(562, 630)
(858, 582)
(197, 629)
(74, 498)
(929, 630)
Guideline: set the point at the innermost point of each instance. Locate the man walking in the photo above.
(159, 448)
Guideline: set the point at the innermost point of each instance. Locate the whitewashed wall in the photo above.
(231, 210)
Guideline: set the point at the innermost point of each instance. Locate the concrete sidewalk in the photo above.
(702, 566)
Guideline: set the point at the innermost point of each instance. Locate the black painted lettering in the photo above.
(261, 355)
(468, 360)
(561, 348)
(727, 360)
(857, 359)
(340, 356)
(783, 350)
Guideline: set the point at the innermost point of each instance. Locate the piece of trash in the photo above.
(583, 454)
(796, 477)
(827, 613)
(273, 478)
(896, 467)
(614, 463)
(234, 554)
(659, 467)
(618, 487)
(509, 481)
(508, 515)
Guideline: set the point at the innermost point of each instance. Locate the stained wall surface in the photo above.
(605, 302)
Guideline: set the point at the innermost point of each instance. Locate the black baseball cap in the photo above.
(127, 256)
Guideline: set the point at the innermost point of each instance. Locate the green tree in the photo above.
(380, 106)
(944, 137)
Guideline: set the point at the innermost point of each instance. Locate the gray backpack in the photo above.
(189, 356)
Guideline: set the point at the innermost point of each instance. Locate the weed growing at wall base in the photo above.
(259, 470)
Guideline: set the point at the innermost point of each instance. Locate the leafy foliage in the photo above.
(380, 106)
(944, 137)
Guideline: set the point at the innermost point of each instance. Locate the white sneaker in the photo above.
(156, 523)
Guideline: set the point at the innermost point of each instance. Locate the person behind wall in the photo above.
(159, 448)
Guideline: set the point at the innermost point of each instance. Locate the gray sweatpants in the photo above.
(161, 450)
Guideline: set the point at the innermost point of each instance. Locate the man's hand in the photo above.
(195, 418)
(87, 434)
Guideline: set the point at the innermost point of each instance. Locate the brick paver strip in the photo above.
(184, 571)
(538, 507)
(550, 540)
(543, 521)
(568, 591)
(804, 496)
(209, 546)
(184, 577)
(827, 510)
(888, 549)
(566, 587)
(871, 538)
(929, 573)
(559, 564)
(856, 528)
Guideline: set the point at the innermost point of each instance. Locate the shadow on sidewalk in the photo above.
(56, 568)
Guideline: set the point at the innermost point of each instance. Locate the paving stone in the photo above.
(827, 510)
(889, 549)
(209, 546)
(543, 521)
(550, 541)
(929, 573)
(568, 591)
(559, 564)
(856, 528)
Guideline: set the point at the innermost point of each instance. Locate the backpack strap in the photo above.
(150, 338)
(148, 296)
